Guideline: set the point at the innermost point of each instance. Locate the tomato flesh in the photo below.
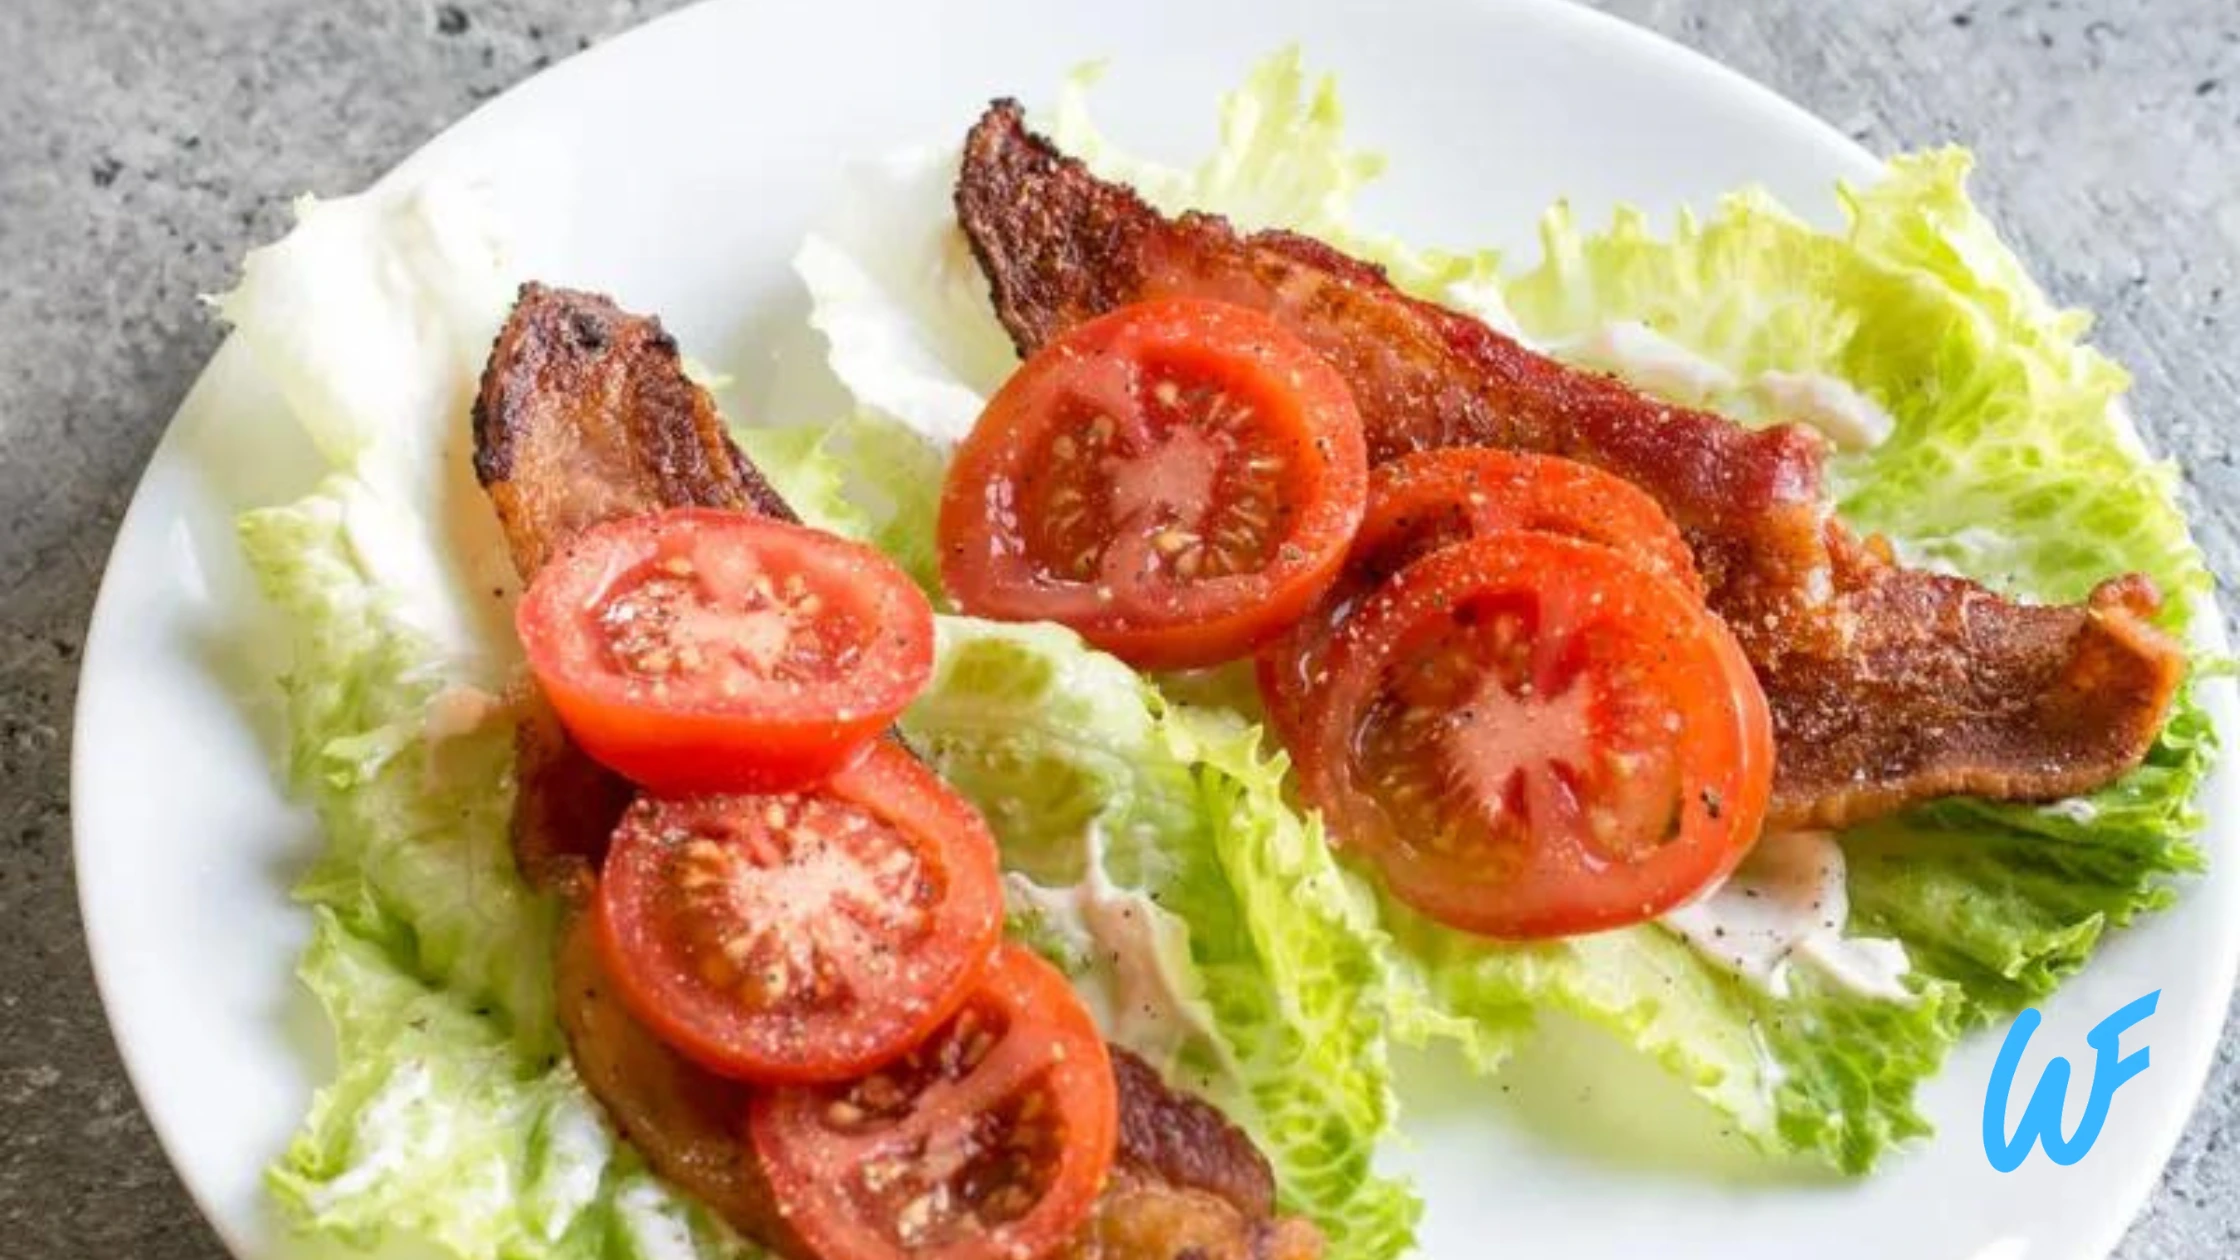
(801, 936)
(1532, 736)
(699, 650)
(1176, 480)
(1432, 499)
(990, 1140)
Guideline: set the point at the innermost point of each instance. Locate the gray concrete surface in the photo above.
(145, 143)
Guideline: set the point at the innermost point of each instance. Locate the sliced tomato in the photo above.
(802, 936)
(1176, 480)
(698, 650)
(1533, 736)
(988, 1142)
(1433, 499)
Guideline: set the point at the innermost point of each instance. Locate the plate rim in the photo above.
(2220, 697)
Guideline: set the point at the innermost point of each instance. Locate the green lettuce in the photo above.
(1278, 965)
(417, 857)
(864, 476)
(1812, 1071)
(2008, 459)
(440, 1127)
(455, 1118)
(1139, 809)
(2011, 459)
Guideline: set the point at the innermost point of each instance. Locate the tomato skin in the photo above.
(1626, 764)
(852, 634)
(1026, 1127)
(835, 971)
(1176, 480)
(1436, 498)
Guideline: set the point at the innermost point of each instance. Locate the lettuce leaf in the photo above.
(441, 1128)
(1820, 1071)
(900, 301)
(417, 858)
(1275, 977)
(372, 316)
(454, 1119)
(1054, 742)
(1283, 161)
(904, 309)
(2009, 459)
(864, 476)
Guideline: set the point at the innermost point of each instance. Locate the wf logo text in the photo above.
(2042, 1119)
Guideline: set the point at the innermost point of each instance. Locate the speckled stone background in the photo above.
(145, 143)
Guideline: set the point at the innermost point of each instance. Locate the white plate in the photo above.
(677, 168)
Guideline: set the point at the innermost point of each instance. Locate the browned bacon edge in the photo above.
(585, 415)
(1887, 685)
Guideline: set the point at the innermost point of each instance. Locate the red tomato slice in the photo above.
(802, 936)
(1531, 736)
(1176, 480)
(1432, 499)
(698, 650)
(988, 1142)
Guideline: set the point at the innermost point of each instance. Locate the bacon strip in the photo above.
(584, 416)
(1887, 685)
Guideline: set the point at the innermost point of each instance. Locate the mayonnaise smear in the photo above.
(1848, 418)
(1650, 360)
(1784, 908)
(1125, 940)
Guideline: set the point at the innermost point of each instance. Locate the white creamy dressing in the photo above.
(577, 1152)
(459, 709)
(1844, 415)
(1984, 548)
(1651, 360)
(1786, 907)
(1483, 299)
(1847, 417)
(1126, 939)
(1772, 1073)
(653, 1220)
(390, 1127)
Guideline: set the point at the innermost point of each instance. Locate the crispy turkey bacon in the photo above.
(585, 415)
(1887, 685)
